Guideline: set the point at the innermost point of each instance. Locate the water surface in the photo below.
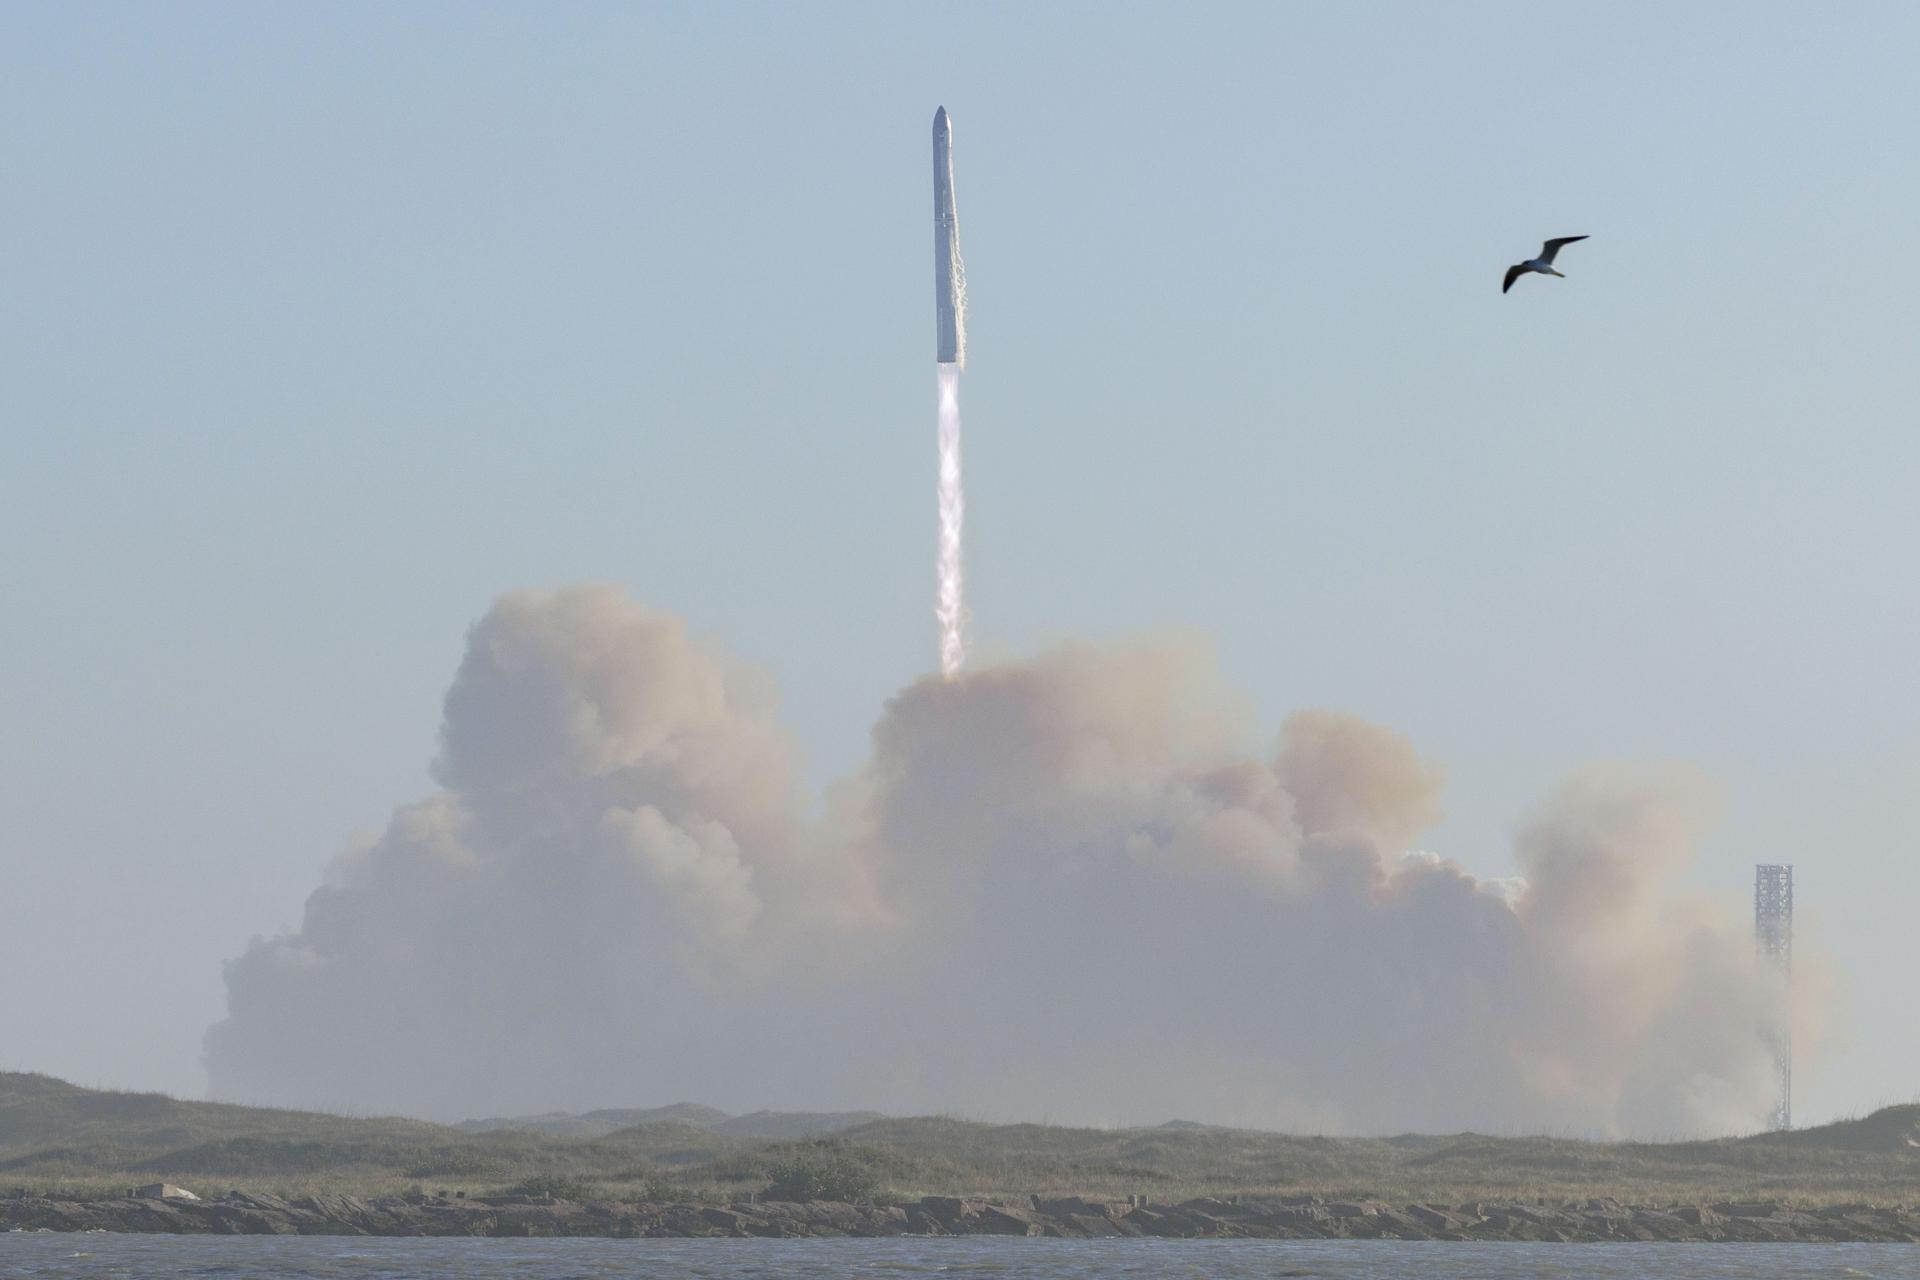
(137, 1257)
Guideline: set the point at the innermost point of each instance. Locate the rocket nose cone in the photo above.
(940, 121)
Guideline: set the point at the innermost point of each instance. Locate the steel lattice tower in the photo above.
(1773, 938)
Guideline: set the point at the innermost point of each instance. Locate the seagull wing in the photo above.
(1552, 247)
(1513, 273)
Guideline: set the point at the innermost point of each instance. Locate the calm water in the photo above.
(281, 1257)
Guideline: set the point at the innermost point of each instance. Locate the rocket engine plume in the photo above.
(950, 604)
(950, 356)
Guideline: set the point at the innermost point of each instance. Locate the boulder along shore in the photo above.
(1282, 1218)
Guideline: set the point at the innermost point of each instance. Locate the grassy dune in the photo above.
(59, 1137)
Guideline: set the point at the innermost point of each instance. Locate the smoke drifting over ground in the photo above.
(1063, 887)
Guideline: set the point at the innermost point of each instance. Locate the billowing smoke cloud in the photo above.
(1063, 887)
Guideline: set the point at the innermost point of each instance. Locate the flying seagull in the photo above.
(1542, 264)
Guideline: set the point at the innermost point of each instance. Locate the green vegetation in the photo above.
(559, 1186)
(57, 1137)
(824, 1170)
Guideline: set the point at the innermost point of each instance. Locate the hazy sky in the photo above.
(323, 326)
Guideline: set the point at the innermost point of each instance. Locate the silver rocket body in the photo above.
(949, 282)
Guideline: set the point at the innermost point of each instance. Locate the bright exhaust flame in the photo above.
(949, 608)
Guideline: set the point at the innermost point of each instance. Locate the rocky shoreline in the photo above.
(1289, 1217)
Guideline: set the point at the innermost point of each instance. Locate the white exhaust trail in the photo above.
(949, 608)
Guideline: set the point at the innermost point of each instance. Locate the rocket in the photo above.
(949, 284)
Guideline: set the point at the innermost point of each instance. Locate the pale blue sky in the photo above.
(323, 325)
